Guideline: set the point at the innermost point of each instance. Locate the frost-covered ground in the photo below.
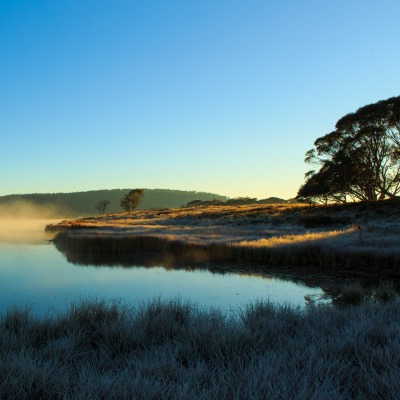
(352, 236)
(173, 350)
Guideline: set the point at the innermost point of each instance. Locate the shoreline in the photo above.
(350, 240)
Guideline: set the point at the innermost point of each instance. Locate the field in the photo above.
(352, 239)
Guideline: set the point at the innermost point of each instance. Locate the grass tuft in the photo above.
(350, 295)
(386, 292)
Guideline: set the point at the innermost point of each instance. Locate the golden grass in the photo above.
(286, 240)
(352, 237)
(221, 214)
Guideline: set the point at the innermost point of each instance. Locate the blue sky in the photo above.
(222, 96)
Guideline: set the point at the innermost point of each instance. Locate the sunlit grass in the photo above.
(308, 237)
(348, 238)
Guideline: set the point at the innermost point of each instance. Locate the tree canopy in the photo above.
(360, 159)
(132, 199)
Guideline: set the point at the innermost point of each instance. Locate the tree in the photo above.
(102, 205)
(194, 203)
(326, 186)
(241, 201)
(360, 158)
(132, 199)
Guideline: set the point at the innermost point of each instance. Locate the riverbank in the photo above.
(353, 239)
(175, 350)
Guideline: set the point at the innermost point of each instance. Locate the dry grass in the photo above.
(175, 350)
(293, 240)
(349, 238)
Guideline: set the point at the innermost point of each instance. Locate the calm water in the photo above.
(33, 272)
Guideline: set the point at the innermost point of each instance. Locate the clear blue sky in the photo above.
(222, 96)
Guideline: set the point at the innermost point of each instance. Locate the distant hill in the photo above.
(83, 203)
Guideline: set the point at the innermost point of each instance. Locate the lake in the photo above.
(34, 273)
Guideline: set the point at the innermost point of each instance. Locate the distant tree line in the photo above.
(359, 160)
(237, 201)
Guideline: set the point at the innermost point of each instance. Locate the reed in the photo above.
(170, 349)
(337, 250)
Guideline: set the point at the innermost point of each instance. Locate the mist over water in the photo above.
(24, 209)
(24, 231)
(24, 222)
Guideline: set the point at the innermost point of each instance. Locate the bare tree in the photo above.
(102, 205)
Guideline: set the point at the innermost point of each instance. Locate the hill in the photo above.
(83, 203)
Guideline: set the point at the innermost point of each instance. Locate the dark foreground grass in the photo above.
(174, 350)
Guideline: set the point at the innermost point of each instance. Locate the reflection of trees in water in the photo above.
(197, 259)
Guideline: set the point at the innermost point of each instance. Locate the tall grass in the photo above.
(345, 250)
(337, 250)
(175, 350)
(351, 239)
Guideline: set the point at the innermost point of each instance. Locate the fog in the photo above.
(18, 209)
(24, 222)
(26, 231)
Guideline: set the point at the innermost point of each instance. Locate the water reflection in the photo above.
(37, 275)
(327, 283)
(44, 276)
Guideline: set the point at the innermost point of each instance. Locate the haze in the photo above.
(23, 222)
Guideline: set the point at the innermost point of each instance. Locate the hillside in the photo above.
(83, 203)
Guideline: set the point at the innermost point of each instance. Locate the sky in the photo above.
(221, 96)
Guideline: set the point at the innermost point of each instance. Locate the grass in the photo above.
(337, 251)
(175, 350)
(350, 239)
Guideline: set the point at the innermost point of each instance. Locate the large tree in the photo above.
(360, 158)
(132, 199)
